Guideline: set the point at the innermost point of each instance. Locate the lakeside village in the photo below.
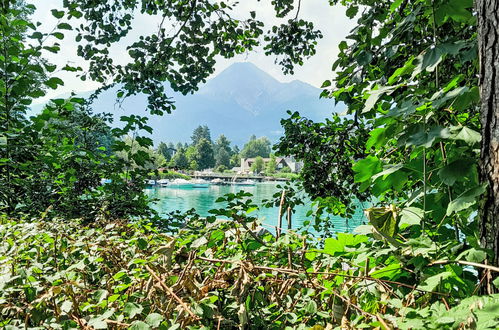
(244, 175)
(203, 162)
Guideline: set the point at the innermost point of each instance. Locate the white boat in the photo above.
(246, 183)
(200, 183)
(163, 182)
(217, 181)
(180, 183)
(150, 182)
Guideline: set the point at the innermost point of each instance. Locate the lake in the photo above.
(203, 199)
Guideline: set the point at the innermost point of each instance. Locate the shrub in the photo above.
(173, 175)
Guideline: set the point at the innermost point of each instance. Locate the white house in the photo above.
(281, 162)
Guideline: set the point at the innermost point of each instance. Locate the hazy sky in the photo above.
(332, 21)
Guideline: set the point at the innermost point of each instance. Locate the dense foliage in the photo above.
(327, 151)
(53, 163)
(418, 102)
(220, 273)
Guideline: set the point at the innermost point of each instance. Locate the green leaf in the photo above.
(387, 170)
(80, 265)
(58, 35)
(132, 309)
(364, 57)
(431, 59)
(54, 82)
(97, 323)
(311, 307)
(420, 137)
(464, 101)
(411, 216)
(154, 319)
(384, 219)
(142, 243)
(366, 168)
(465, 200)
(139, 325)
(352, 11)
(445, 320)
(333, 245)
(457, 10)
(457, 170)
(377, 138)
(50, 67)
(432, 282)
(375, 94)
(467, 135)
(119, 275)
(390, 271)
(452, 48)
(407, 68)
(438, 100)
(76, 13)
(64, 26)
(53, 49)
(37, 35)
(251, 210)
(217, 236)
(395, 5)
(326, 83)
(71, 68)
(57, 13)
(100, 295)
(343, 45)
(19, 22)
(496, 282)
(473, 255)
(404, 109)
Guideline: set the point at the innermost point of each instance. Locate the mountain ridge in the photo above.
(240, 101)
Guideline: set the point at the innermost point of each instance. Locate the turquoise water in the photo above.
(203, 200)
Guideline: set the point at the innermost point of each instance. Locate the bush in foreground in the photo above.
(221, 274)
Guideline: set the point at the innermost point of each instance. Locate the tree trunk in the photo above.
(488, 40)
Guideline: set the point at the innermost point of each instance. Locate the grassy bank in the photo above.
(214, 275)
(170, 175)
(282, 175)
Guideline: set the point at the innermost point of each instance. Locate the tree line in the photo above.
(203, 153)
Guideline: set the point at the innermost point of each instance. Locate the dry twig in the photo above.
(170, 291)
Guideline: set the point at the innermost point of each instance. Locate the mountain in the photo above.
(240, 101)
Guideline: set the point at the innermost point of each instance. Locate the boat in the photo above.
(163, 182)
(245, 183)
(150, 183)
(200, 183)
(217, 181)
(180, 183)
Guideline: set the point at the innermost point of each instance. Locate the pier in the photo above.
(231, 177)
